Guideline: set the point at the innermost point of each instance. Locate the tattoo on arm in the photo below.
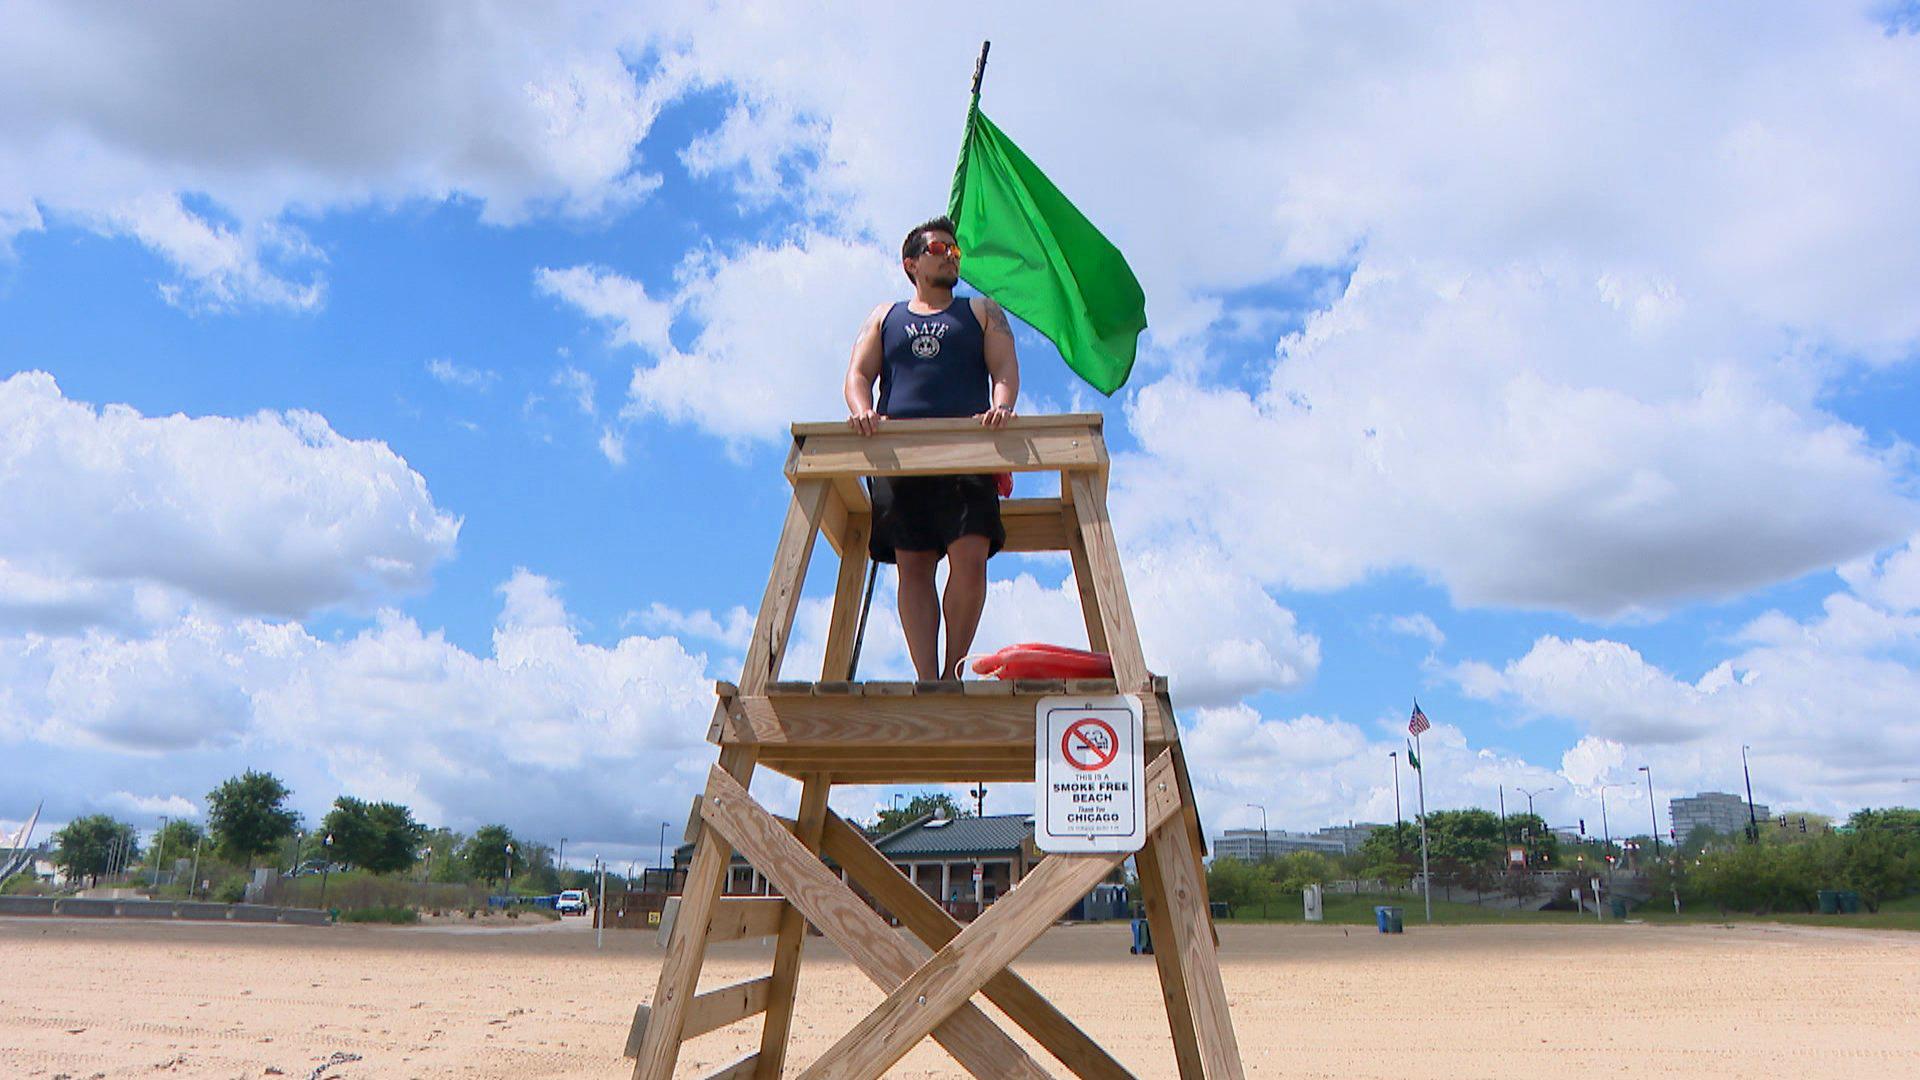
(997, 319)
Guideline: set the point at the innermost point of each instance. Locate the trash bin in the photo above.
(1849, 902)
(1380, 917)
(1142, 939)
(1394, 923)
(1619, 907)
(1829, 902)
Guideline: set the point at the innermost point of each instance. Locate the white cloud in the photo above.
(548, 733)
(1825, 702)
(452, 374)
(276, 513)
(601, 294)
(581, 385)
(116, 123)
(1418, 625)
(177, 807)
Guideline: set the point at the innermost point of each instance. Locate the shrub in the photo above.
(232, 890)
(383, 914)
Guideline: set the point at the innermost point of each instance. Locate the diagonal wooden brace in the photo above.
(979, 1046)
(846, 845)
(982, 950)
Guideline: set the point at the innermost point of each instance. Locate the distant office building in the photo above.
(1351, 836)
(1251, 845)
(1723, 813)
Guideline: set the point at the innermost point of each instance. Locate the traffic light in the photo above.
(1583, 826)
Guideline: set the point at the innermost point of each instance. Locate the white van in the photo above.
(572, 902)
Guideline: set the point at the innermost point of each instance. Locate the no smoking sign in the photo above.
(1089, 774)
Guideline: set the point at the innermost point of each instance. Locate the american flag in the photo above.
(1417, 723)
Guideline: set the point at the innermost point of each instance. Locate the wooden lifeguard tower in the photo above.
(836, 731)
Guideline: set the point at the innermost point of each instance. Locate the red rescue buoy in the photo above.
(1038, 660)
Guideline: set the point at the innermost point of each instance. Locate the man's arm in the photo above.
(862, 370)
(1003, 367)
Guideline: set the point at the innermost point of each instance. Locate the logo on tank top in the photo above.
(924, 338)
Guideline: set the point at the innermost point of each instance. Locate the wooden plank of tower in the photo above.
(1083, 580)
(1191, 939)
(1109, 584)
(930, 923)
(838, 663)
(707, 873)
(980, 1047)
(1167, 958)
(793, 933)
(982, 950)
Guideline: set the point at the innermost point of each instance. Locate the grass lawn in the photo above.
(1346, 909)
(1902, 914)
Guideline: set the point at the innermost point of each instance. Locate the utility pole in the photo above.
(1753, 820)
(1653, 816)
(561, 862)
(1503, 815)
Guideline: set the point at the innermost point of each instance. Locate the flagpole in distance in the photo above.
(1426, 876)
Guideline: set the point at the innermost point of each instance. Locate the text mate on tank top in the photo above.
(935, 356)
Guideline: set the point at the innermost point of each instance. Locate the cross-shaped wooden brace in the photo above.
(931, 997)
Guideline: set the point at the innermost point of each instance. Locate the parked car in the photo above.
(572, 902)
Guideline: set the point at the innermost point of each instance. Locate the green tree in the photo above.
(248, 816)
(178, 839)
(1875, 864)
(485, 853)
(1237, 884)
(91, 845)
(381, 837)
(939, 805)
(1298, 869)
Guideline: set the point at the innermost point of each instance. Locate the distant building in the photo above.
(1723, 813)
(941, 856)
(1350, 835)
(1252, 845)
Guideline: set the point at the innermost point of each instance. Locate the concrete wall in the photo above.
(73, 907)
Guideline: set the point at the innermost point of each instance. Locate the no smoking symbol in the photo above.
(1089, 744)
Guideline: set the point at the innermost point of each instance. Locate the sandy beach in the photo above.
(86, 999)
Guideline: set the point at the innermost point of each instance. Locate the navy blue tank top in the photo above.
(933, 365)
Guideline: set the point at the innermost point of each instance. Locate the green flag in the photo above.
(1413, 759)
(1028, 248)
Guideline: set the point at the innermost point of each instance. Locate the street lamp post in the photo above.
(1530, 795)
(660, 860)
(326, 867)
(1264, 852)
(1753, 820)
(509, 869)
(1653, 816)
(159, 849)
(562, 860)
(1397, 819)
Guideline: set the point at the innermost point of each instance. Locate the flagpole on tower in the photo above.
(980, 68)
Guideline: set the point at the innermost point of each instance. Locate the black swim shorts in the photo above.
(927, 513)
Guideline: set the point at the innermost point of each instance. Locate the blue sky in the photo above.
(399, 407)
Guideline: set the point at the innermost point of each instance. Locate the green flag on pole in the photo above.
(1413, 759)
(1028, 248)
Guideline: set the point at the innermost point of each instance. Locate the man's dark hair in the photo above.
(916, 241)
